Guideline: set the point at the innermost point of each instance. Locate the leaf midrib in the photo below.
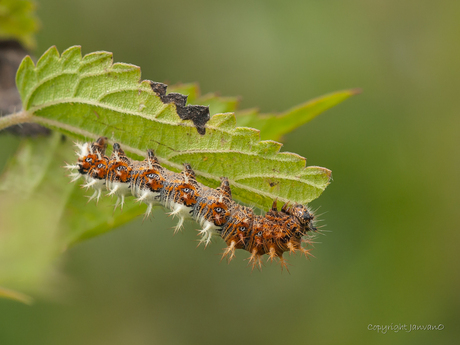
(151, 117)
(179, 167)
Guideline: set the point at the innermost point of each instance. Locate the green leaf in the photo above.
(18, 21)
(274, 126)
(90, 97)
(43, 214)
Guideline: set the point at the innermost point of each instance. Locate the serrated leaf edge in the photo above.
(228, 117)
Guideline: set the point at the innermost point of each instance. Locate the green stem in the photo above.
(14, 119)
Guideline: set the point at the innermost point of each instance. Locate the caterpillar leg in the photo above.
(306, 252)
(96, 195)
(272, 254)
(292, 248)
(284, 264)
(149, 210)
(177, 211)
(181, 212)
(255, 259)
(179, 225)
(89, 184)
(120, 190)
(142, 197)
(113, 191)
(206, 234)
(229, 252)
(297, 247)
(97, 185)
(120, 202)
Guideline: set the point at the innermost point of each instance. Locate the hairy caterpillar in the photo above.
(213, 209)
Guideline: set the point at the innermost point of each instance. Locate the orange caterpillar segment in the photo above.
(213, 209)
(87, 155)
(96, 176)
(256, 245)
(119, 175)
(186, 189)
(237, 229)
(148, 181)
(180, 195)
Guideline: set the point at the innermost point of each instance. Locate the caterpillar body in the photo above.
(277, 232)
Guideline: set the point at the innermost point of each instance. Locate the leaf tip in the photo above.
(319, 171)
(49, 53)
(251, 134)
(71, 50)
(96, 61)
(223, 121)
(26, 63)
(269, 147)
(27, 66)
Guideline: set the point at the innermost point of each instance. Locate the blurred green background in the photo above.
(391, 255)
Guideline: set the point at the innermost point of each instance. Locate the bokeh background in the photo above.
(391, 255)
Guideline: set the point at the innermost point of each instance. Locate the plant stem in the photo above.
(14, 119)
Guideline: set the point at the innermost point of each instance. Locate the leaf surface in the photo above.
(91, 96)
(274, 126)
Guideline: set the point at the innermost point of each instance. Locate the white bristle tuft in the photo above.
(83, 148)
(74, 177)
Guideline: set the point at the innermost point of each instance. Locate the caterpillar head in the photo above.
(90, 155)
(303, 215)
(94, 166)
